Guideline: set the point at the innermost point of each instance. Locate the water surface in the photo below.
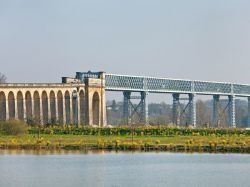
(32, 169)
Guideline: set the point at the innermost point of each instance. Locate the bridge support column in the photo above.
(126, 107)
(144, 108)
(24, 110)
(192, 109)
(56, 110)
(231, 111)
(64, 110)
(79, 110)
(176, 109)
(7, 109)
(49, 111)
(16, 108)
(71, 115)
(32, 107)
(215, 118)
(103, 117)
(41, 111)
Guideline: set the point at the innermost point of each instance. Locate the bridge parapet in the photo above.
(165, 85)
(85, 75)
(136, 83)
(204, 87)
(93, 82)
(241, 89)
(38, 85)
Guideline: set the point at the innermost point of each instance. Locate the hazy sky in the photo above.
(41, 41)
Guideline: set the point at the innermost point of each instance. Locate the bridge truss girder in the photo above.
(217, 113)
(189, 108)
(130, 109)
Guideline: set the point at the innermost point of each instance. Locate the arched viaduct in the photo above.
(63, 103)
(81, 100)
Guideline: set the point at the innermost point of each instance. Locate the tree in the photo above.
(203, 114)
(3, 78)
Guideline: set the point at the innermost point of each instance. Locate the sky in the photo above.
(42, 41)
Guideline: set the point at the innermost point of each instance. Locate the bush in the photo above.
(139, 131)
(13, 127)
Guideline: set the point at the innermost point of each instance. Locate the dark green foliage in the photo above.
(139, 131)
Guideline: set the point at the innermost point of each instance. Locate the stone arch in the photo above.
(20, 111)
(11, 102)
(2, 106)
(28, 103)
(36, 106)
(67, 106)
(82, 107)
(60, 106)
(52, 106)
(96, 108)
(45, 107)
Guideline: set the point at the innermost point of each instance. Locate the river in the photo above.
(63, 169)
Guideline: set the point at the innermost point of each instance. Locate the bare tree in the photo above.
(3, 78)
(203, 114)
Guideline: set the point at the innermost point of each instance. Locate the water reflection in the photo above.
(61, 168)
(62, 152)
(50, 152)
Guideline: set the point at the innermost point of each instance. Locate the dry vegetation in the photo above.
(125, 138)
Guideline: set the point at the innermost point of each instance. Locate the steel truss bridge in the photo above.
(144, 85)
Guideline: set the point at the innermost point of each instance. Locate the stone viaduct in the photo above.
(70, 102)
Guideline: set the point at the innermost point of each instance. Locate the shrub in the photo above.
(139, 131)
(157, 141)
(13, 127)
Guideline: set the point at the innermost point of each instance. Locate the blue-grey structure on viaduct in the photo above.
(145, 85)
(82, 99)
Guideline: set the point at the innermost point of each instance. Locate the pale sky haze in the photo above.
(41, 41)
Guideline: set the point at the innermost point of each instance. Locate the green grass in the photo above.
(201, 143)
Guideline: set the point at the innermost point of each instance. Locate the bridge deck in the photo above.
(115, 82)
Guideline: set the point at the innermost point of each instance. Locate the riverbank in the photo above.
(218, 141)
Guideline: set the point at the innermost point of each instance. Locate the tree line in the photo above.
(161, 113)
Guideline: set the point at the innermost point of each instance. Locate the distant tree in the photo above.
(203, 114)
(241, 113)
(3, 78)
(161, 113)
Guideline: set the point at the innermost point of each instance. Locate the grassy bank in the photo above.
(124, 138)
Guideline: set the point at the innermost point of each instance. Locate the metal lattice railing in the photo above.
(150, 84)
(210, 87)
